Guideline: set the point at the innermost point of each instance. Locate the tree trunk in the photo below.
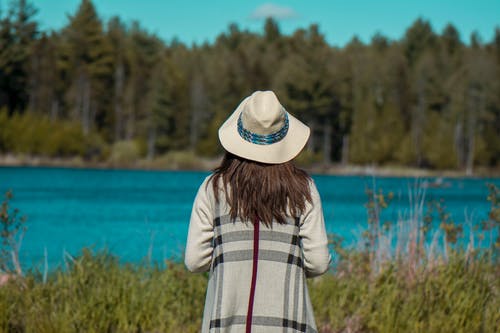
(459, 147)
(311, 143)
(129, 108)
(327, 141)
(86, 106)
(78, 96)
(151, 142)
(54, 109)
(33, 103)
(118, 101)
(474, 108)
(418, 120)
(198, 102)
(345, 149)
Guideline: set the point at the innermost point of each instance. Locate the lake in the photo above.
(139, 214)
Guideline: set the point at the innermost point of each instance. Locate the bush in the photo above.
(307, 158)
(33, 134)
(183, 160)
(124, 152)
(178, 160)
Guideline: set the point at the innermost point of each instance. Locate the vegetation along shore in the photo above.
(187, 160)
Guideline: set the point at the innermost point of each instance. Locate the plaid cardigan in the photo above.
(257, 275)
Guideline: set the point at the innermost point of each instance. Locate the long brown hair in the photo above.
(262, 192)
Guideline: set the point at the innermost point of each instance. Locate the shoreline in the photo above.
(205, 164)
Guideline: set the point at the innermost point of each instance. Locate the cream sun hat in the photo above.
(260, 129)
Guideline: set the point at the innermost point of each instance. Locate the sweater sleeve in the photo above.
(313, 236)
(199, 241)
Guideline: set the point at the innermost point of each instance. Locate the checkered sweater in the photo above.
(257, 275)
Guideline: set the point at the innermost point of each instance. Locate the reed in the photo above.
(423, 236)
(453, 297)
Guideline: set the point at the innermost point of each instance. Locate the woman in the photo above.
(257, 225)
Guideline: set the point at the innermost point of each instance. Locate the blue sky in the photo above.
(199, 21)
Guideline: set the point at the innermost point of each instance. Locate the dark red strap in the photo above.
(254, 275)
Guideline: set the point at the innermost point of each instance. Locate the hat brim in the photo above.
(280, 152)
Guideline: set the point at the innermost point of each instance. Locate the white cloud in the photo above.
(272, 10)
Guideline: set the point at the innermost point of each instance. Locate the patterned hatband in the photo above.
(262, 139)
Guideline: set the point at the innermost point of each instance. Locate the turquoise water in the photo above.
(140, 214)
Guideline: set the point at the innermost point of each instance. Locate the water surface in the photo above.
(140, 214)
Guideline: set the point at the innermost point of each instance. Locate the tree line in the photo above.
(425, 100)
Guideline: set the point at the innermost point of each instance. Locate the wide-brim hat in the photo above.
(260, 129)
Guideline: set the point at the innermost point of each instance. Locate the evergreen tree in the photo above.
(45, 86)
(144, 52)
(117, 35)
(18, 32)
(306, 86)
(86, 62)
(418, 38)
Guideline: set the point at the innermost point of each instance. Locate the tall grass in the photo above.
(97, 294)
(424, 234)
(413, 275)
(453, 297)
(417, 286)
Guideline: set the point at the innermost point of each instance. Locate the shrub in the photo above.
(181, 159)
(33, 134)
(307, 158)
(124, 152)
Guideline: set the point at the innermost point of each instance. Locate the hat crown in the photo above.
(263, 114)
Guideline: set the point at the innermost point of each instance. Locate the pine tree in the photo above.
(118, 40)
(86, 62)
(18, 31)
(305, 85)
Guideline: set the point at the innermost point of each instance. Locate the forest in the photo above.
(98, 89)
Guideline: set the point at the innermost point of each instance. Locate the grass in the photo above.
(453, 297)
(98, 294)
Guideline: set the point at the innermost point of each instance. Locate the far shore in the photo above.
(205, 164)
